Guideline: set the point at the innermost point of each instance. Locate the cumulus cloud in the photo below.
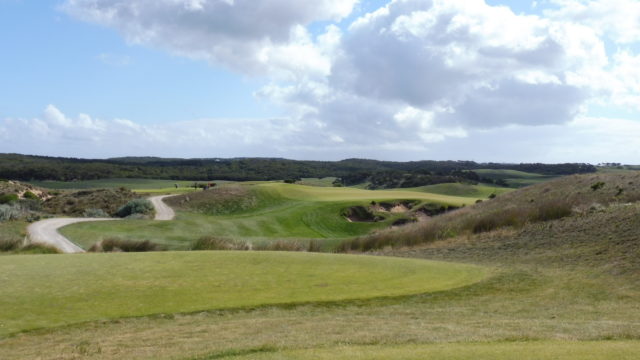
(251, 36)
(617, 19)
(413, 76)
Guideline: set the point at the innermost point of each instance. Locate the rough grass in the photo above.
(46, 291)
(78, 202)
(540, 203)
(122, 245)
(538, 350)
(514, 178)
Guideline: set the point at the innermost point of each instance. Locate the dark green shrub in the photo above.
(597, 186)
(29, 195)
(136, 206)
(8, 198)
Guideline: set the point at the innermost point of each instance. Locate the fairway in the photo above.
(283, 211)
(48, 291)
(542, 350)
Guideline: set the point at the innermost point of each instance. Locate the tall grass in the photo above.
(122, 245)
(472, 220)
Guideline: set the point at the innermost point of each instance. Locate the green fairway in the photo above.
(282, 211)
(543, 350)
(515, 178)
(465, 190)
(47, 291)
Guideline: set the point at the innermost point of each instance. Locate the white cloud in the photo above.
(617, 19)
(251, 36)
(413, 77)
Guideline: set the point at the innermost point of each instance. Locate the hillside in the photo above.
(568, 197)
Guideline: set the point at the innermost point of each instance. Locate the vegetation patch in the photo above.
(122, 245)
(78, 202)
(222, 200)
(533, 350)
(549, 201)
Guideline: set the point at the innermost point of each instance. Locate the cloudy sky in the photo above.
(484, 80)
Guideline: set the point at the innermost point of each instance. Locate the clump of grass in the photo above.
(280, 245)
(10, 244)
(35, 249)
(218, 243)
(122, 245)
(95, 213)
(30, 195)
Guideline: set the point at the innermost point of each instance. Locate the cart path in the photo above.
(46, 231)
(163, 211)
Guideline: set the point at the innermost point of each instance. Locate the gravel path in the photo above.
(46, 231)
(163, 211)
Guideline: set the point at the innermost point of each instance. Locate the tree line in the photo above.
(27, 167)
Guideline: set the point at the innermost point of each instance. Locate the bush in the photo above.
(10, 212)
(120, 245)
(29, 195)
(136, 206)
(216, 243)
(8, 198)
(95, 213)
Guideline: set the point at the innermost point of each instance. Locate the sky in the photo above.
(486, 80)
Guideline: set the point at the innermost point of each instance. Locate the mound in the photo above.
(216, 201)
(69, 289)
(79, 202)
(21, 189)
(556, 199)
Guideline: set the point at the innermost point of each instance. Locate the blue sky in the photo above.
(177, 79)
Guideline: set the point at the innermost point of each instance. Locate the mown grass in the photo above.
(47, 291)
(514, 178)
(465, 190)
(538, 350)
(277, 211)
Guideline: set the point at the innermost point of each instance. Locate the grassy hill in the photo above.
(258, 212)
(571, 196)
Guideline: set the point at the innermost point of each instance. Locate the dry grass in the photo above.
(122, 245)
(539, 203)
(78, 202)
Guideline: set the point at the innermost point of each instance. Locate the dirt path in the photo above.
(46, 231)
(163, 211)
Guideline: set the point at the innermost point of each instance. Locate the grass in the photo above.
(280, 211)
(540, 350)
(538, 203)
(137, 184)
(514, 178)
(48, 291)
(464, 190)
